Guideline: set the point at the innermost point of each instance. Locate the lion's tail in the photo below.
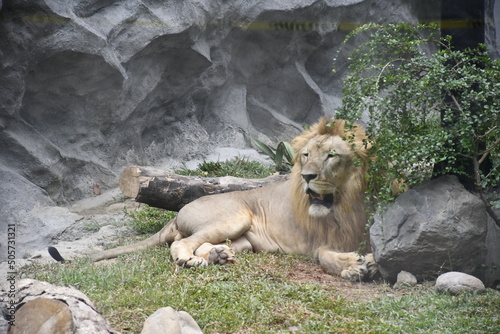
(165, 236)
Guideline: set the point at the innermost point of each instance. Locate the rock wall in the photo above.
(492, 26)
(90, 86)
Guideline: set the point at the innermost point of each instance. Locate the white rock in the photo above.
(167, 320)
(455, 282)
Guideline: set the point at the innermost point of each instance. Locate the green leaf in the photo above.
(284, 150)
(264, 148)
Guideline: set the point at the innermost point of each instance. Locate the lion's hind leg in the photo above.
(216, 254)
(206, 254)
(223, 253)
(208, 245)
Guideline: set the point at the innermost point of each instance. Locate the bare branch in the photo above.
(383, 70)
(488, 132)
(485, 153)
(492, 170)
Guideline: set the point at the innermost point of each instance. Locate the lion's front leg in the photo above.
(350, 266)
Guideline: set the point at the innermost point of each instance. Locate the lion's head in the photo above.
(328, 177)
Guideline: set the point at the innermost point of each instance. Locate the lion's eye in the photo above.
(305, 154)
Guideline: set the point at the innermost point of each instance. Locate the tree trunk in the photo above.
(172, 191)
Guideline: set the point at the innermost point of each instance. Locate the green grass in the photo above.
(428, 311)
(149, 219)
(257, 295)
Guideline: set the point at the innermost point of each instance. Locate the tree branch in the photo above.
(485, 153)
(172, 191)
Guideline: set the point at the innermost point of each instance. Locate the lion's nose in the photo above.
(309, 177)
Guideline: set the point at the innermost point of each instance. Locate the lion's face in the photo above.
(326, 163)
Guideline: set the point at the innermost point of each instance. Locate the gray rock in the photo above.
(456, 282)
(177, 322)
(41, 303)
(436, 227)
(491, 270)
(405, 280)
(85, 318)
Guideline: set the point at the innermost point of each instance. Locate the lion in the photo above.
(319, 211)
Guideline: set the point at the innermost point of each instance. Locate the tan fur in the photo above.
(281, 217)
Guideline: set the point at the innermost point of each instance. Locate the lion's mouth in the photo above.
(315, 198)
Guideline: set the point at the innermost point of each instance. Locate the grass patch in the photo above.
(237, 167)
(92, 226)
(428, 311)
(256, 295)
(149, 219)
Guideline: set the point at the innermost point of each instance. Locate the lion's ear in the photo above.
(365, 149)
(299, 142)
(367, 145)
(296, 145)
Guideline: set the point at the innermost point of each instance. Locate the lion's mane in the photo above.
(345, 228)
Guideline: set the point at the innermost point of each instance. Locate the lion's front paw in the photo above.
(364, 267)
(221, 255)
(357, 271)
(194, 261)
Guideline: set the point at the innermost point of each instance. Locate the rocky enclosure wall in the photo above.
(91, 86)
(88, 87)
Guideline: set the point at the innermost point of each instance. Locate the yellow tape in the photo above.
(280, 25)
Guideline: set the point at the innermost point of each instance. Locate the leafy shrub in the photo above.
(424, 108)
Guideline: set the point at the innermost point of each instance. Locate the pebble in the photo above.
(455, 282)
(405, 280)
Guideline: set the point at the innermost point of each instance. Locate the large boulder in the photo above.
(491, 270)
(32, 306)
(433, 228)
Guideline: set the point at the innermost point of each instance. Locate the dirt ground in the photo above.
(351, 291)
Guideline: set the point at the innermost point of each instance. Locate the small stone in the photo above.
(405, 280)
(455, 282)
(167, 320)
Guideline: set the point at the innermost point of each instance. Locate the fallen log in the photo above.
(171, 191)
